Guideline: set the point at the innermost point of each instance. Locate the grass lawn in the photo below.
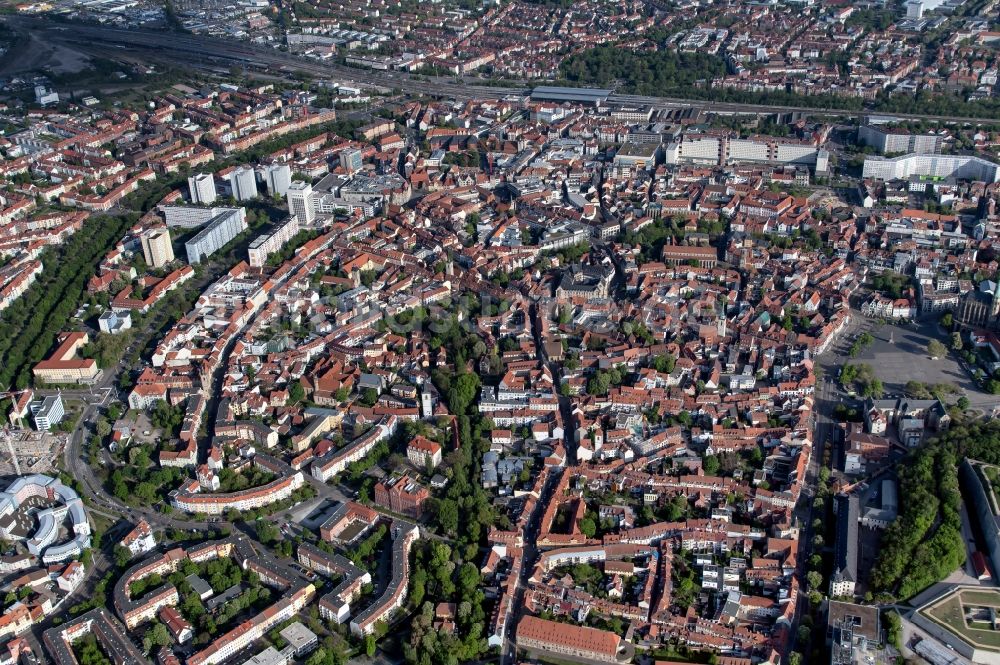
(988, 598)
(949, 614)
(100, 523)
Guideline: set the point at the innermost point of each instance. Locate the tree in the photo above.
(122, 556)
(369, 396)
(462, 393)
(936, 349)
(266, 532)
(588, 527)
(963, 403)
(370, 646)
(468, 579)
(710, 464)
(103, 427)
(167, 417)
(947, 320)
(894, 629)
(447, 515)
(873, 389)
(677, 508)
(145, 492)
(815, 579)
(318, 657)
(157, 636)
(664, 364)
(296, 393)
(956, 341)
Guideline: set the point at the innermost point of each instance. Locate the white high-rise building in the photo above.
(278, 177)
(916, 9)
(890, 140)
(243, 181)
(265, 245)
(202, 187)
(156, 247)
(188, 217)
(220, 230)
(300, 201)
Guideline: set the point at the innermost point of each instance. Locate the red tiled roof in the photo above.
(568, 636)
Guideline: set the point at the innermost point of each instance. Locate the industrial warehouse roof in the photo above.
(556, 93)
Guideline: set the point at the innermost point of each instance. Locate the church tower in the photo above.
(995, 310)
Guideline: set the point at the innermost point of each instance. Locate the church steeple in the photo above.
(995, 309)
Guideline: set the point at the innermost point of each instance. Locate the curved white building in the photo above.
(41, 542)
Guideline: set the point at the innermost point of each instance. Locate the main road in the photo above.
(203, 50)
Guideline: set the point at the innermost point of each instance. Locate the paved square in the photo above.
(899, 354)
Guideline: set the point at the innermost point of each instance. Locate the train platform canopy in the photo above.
(593, 96)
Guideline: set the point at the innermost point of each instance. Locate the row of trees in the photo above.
(256, 596)
(445, 572)
(665, 72)
(290, 247)
(863, 341)
(364, 554)
(921, 390)
(28, 328)
(232, 481)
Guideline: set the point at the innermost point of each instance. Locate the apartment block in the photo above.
(402, 495)
(219, 231)
(47, 412)
(265, 245)
(962, 167)
(202, 188)
(300, 201)
(278, 178)
(243, 182)
(156, 247)
(888, 140)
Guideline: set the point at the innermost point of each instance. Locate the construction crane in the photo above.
(7, 430)
(10, 449)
